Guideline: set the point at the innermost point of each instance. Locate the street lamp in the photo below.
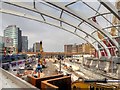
(60, 58)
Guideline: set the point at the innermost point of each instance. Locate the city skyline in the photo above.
(52, 37)
(53, 44)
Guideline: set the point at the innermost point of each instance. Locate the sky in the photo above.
(53, 38)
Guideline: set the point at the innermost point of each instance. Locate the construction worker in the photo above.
(70, 69)
(39, 68)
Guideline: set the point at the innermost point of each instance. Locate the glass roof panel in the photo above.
(95, 5)
(112, 1)
(87, 28)
(80, 7)
(47, 9)
(80, 33)
(68, 27)
(85, 8)
(102, 22)
(52, 21)
(21, 10)
(103, 9)
(11, 7)
(72, 20)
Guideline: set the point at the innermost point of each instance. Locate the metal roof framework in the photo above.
(64, 10)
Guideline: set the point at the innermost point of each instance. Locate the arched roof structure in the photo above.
(70, 17)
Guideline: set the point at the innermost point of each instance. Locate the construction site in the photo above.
(97, 70)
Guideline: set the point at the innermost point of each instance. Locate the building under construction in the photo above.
(96, 22)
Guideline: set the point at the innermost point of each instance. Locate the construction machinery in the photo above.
(81, 85)
(41, 59)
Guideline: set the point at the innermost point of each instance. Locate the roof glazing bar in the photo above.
(79, 25)
(33, 18)
(85, 19)
(55, 18)
(112, 26)
(110, 7)
(72, 3)
(98, 13)
(43, 17)
(61, 17)
(34, 10)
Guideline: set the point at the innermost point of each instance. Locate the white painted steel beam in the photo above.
(82, 17)
(118, 25)
(99, 14)
(110, 7)
(71, 3)
(58, 19)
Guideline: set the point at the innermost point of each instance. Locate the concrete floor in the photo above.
(5, 82)
(50, 70)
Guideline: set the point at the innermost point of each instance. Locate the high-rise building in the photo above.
(24, 43)
(15, 33)
(6, 45)
(68, 48)
(30, 50)
(36, 47)
(75, 48)
(85, 48)
(80, 49)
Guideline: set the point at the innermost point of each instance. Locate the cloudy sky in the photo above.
(53, 38)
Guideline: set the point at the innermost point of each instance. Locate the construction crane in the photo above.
(41, 48)
(41, 59)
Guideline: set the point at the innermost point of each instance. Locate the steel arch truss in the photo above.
(65, 24)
